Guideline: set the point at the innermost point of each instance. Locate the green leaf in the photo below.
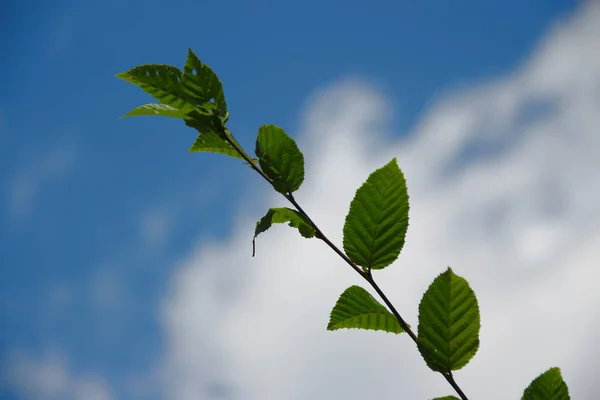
(449, 323)
(283, 215)
(213, 143)
(163, 82)
(231, 139)
(161, 110)
(214, 135)
(200, 81)
(446, 398)
(548, 386)
(205, 122)
(356, 308)
(376, 224)
(280, 158)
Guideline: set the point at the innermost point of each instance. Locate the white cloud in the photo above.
(504, 187)
(49, 378)
(40, 172)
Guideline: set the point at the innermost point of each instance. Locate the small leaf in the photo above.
(446, 398)
(449, 323)
(356, 308)
(548, 386)
(161, 110)
(214, 135)
(283, 215)
(213, 143)
(376, 224)
(231, 139)
(205, 122)
(280, 158)
(163, 82)
(200, 81)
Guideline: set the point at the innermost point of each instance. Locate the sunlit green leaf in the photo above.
(283, 215)
(356, 308)
(280, 158)
(205, 122)
(161, 110)
(213, 143)
(449, 323)
(376, 224)
(163, 82)
(548, 386)
(200, 81)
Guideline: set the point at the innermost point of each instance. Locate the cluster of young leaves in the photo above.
(373, 234)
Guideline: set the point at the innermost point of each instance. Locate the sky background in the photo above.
(125, 261)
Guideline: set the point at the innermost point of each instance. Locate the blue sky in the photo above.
(97, 211)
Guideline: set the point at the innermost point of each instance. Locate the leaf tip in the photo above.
(393, 162)
(124, 75)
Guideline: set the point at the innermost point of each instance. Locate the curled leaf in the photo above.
(281, 216)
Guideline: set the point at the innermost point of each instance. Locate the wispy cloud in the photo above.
(502, 182)
(38, 174)
(106, 290)
(60, 296)
(49, 378)
(158, 222)
(155, 226)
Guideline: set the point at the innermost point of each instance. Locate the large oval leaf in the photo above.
(548, 386)
(279, 158)
(356, 308)
(376, 224)
(449, 323)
